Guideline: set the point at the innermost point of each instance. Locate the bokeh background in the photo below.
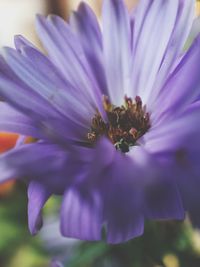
(164, 244)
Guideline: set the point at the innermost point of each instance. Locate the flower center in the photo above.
(125, 125)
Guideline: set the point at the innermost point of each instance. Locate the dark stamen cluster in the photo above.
(126, 124)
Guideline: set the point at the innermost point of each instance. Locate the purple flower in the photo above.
(115, 117)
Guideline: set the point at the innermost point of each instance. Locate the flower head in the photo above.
(115, 117)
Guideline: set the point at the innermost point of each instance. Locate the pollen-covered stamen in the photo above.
(126, 124)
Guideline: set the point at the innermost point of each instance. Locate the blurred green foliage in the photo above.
(168, 244)
(17, 247)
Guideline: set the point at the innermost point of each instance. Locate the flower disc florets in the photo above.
(125, 125)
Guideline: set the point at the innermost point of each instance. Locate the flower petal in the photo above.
(181, 150)
(80, 215)
(160, 194)
(123, 213)
(65, 51)
(13, 90)
(117, 50)
(181, 89)
(162, 139)
(48, 84)
(162, 197)
(37, 196)
(86, 26)
(20, 42)
(180, 35)
(38, 161)
(15, 122)
(158, 22)
(41, 103)
(104, 195)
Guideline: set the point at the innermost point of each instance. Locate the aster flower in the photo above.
(115, 117)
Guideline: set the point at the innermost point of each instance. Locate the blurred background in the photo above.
(169, 244)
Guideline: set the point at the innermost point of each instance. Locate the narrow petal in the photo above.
(64, 49)
(49, 86)
(42, 103)
(182, 87)
(116, 46)
(37, 196)
(180, 35)
(18, 94)
(158, 22)
(15, 122)
(123, 214)
(86, 26)
(20, 42)
(81, 215)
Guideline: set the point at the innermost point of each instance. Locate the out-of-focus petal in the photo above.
(20, 42)
(37, 196)
(39, 161)
(15, 122)
(104, 194)
(81, 215)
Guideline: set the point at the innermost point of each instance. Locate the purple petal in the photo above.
(37, 196)
(45, 116)
(181, 89)
(13, 90)
(185, 17)
(15, 122)
(81, 215)
(20, 42)
(49, 85)
(64, 49)
(155, 30)
(86, 26)
(178, 142)
(160, 193)
(162, 197)
(104, 194)
(116, 47)
(172, 135)
(42, 161)
(122, 201)
(41, 102)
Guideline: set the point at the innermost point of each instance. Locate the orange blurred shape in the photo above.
(6, 188)
(7, 141)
